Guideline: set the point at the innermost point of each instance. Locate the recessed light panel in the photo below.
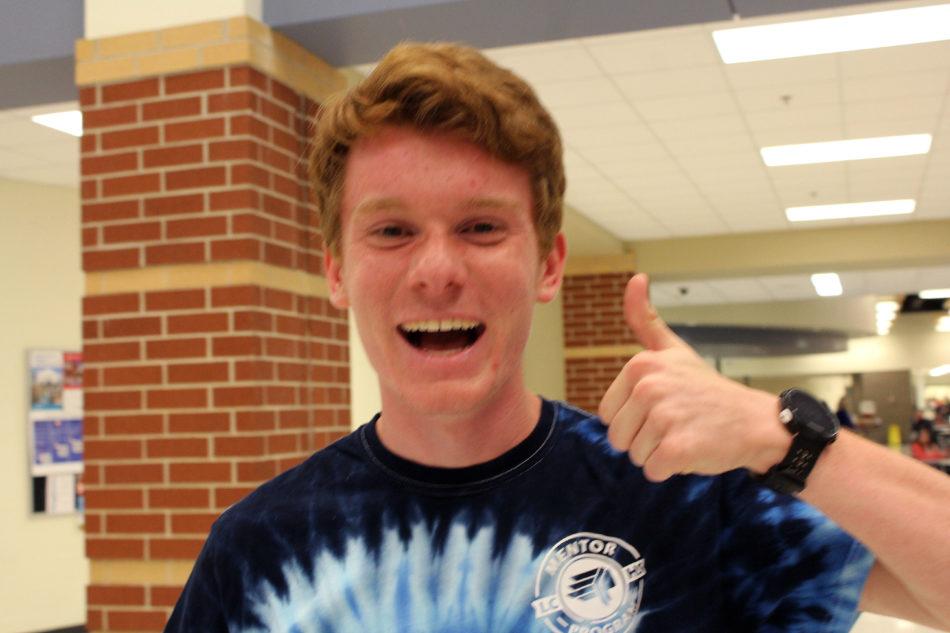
(849, 210)
(827, 284)
(853, 149)
(935, 293)
(879, 29)
(69, 121)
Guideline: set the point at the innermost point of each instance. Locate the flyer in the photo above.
(55, 416)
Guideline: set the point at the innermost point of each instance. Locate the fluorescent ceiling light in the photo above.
(887, 307)
(850, 210)
(943, 370)
(827, 284)
(69, 121)
(943, 324)
(935, 293)
(853, 149)
(879, 29)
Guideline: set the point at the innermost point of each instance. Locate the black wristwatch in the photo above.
(813, 427)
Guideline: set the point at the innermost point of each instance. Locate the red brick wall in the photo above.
(593, 317)
(198, 167)
(193, 398)
(195, 395)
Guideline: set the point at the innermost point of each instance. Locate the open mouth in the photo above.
(447, 335)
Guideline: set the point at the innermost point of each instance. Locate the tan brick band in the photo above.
(240, 40)
(602, 351)
(236, 273)
(146, 572)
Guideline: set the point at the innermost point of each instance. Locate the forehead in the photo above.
(415, 168)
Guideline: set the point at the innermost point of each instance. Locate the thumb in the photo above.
(640, 315)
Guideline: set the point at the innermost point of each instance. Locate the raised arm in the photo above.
(674, 414)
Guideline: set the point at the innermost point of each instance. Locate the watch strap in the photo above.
(789, 475)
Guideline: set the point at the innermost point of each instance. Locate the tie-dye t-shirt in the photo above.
(560, 534)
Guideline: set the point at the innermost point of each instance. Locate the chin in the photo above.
(449, 398)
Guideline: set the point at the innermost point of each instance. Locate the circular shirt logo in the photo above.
(589, 583)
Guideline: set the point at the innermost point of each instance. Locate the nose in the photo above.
(437, 270)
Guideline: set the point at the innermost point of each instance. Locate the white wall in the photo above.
(43, 570)
(105, 18)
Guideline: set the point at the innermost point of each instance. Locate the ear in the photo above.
(552, 270)
(333, 265)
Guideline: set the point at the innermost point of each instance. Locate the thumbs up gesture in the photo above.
(674, 414)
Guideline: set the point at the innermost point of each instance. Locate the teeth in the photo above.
(445, 325)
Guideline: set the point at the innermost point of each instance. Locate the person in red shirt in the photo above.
(924, 447)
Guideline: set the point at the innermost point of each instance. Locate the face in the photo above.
(439, 262)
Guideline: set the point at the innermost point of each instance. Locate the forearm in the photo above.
(898, 508)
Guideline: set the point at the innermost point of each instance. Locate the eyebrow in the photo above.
(376, 205)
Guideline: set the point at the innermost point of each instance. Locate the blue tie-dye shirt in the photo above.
(562, 534)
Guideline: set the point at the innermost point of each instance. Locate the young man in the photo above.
(469, 503)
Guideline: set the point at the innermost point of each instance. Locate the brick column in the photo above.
(597, 340)
(214, 360)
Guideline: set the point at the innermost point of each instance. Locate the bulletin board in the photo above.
(55, 432)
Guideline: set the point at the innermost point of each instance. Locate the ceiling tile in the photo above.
(562, 94)
(699, 127)
(788, 96)
(548, 62)
(631, 226)
(895, 59)
(627, 173)
(639, 54)
(625, 153)
(892, 127)
(782, 72)
(671, 83)
(698, 106)
(746, 289)
(832, 131)
(607, 136)
(681, 293)
(920, 108)
(597, 115)
(712, 145)
(803, 120)
(786, 287)
(899, 86)
(757, 225)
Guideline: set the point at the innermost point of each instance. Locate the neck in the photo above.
(458, 439)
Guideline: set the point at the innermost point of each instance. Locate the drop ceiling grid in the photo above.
(658, 92)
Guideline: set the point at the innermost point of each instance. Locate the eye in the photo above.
(391, 231)
(482, 227)
(483, 231)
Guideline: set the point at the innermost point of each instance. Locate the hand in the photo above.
(674, 414)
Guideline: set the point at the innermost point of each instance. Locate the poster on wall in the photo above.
(55, 428)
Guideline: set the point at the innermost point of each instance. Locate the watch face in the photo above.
(811, 415)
